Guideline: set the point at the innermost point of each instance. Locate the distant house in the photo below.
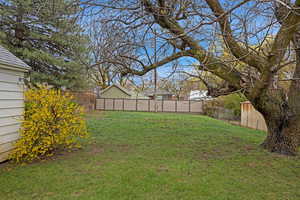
(199, 95)
(160, 95)
(12, 71)
(117, 91)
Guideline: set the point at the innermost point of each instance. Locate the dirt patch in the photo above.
(162, 169)
(63, 153)
(249, 148)
(124, 147)
(78, 193)
(94, 115)
(4, 164)
(58, 155)
(91, 149)
(96, 150)
(214, 154)
(101, 148)
(232, 147)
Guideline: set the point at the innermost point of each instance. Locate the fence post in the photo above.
(247, 118)
(123, 104)
(162, 105)
(113, 103)
(148, 105)
(175, 105)
(104, 104)
(136, 105)
(189, 105)
(257, 124)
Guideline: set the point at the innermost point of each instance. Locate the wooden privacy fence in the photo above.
(148, 105)
(85, 98)
(252, 118)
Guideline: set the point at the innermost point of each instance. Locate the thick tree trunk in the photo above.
(281, 111)
(282, 118)
(282, 136)
(294, 91)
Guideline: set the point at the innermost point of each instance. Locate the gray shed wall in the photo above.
(11, 108)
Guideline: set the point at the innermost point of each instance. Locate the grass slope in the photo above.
(153, 156)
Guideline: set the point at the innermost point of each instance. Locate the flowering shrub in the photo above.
(51, 121)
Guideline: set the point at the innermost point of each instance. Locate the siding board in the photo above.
(10, 112)
(10, 78)
(4, 156)
(11, 95)
(9, 129)
(11, 103)
(9, 137)
(5, 121)
(10, 72)
(10, 87)
(7, 146)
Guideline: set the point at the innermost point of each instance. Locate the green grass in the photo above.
(158, 156)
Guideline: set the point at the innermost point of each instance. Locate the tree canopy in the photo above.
(47, 36)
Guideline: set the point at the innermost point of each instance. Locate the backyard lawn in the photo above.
(158, 156)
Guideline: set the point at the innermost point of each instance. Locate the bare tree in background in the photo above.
(187, 28)
(109, 52)
(177, 84)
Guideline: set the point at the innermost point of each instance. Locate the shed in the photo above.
(12, 71)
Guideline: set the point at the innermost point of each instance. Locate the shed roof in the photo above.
(117, 86)
(10, 59)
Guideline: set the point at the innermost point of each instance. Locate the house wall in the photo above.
(114, 92)
(11, 108)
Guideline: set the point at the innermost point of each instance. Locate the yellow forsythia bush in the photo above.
(51, 121)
